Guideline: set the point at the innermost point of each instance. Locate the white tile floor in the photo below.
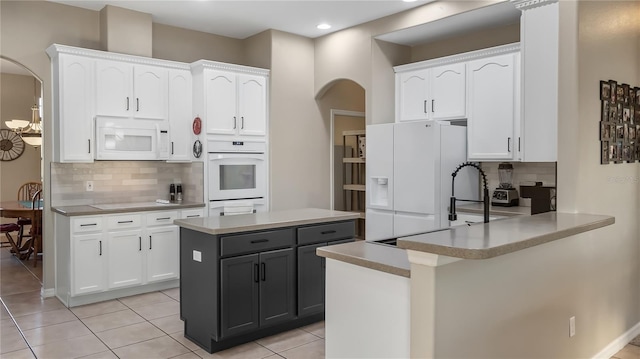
(143, 326)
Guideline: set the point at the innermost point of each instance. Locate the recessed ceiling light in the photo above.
(324, 26)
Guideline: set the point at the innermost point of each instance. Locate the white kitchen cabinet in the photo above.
(180, 116)
(89, 264)
(74, 109)
(88, 253)
(235, 104)
(493, 108)
(435, 93)
(125, 255)
(126, 90)
(163, 247)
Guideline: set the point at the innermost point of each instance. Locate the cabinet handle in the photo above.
(255, 272)
(100, 247)
(125, 222)
(508, 144)
(242, 122)
(518, 144)
(137, 104)
(150, 242)
(193, 216)
(139, 243)
(171, 147)
(234, 122)
(259, 241)
(88, 224)
(127, 103)
(424, 106)
(89, 140)
(162, 218)
(328, 232)
(433, 105)
(264, 271)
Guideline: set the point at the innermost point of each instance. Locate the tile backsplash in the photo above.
(523, 173)
(123, 182)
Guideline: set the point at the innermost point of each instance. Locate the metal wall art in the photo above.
(619, 123)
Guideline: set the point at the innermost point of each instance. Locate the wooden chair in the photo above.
(26, 193)
(7, 229)
(36, 228)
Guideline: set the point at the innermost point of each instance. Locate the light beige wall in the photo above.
(298, 136)
(257, 50)
(125, 31)
(39, 24)
(178, 44)
(16, 99)
(475, 40)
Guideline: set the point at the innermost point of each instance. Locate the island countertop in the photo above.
(487, 240)
(264, 220)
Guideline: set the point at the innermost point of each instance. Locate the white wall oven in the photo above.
(237, 172)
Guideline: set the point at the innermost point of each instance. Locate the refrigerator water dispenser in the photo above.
(379, 191)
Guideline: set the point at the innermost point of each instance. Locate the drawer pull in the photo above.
(264, 271)
(328, 232)
(163, 218)
(193, 216)
(121, 222)
(259, 241)
(88, 224)
(256, 269)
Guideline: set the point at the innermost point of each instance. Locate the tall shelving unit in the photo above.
(353, 179)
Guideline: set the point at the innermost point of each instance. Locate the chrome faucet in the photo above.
(452, 206)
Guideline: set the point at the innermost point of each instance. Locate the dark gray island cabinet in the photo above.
(243, 281)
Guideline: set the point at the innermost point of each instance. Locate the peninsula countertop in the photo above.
(487, 240)
(264, 220)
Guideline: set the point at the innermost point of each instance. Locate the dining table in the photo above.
(23, 209)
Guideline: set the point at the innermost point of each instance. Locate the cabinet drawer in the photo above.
(125, 221)
(192, 213)
(161, 218)
(86, 224)
(255, 242)
(326, 232)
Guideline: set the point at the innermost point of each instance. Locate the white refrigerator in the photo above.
(409, 167)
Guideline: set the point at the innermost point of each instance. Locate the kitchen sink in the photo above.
(393, 242)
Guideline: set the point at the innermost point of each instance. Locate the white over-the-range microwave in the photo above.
(128, 139)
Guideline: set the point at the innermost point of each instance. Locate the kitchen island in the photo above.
(247, 276)
(468, 286)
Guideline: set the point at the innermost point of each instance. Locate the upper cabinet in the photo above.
(430, 93)
(493, 108)
(127, 90)
(73, 108)
(180, 115)
(231, 99)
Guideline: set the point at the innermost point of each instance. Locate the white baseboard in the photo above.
(46, 293)
(619, 343)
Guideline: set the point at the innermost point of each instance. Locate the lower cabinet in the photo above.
(125, 258)
(89, 264)
(162, 259)
(257, 290)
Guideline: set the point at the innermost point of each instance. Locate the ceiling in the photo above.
(243, 18)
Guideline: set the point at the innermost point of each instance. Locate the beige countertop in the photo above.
(380, 257)
(487, 240)
(264, 220)
(478, 208)
(99, 209)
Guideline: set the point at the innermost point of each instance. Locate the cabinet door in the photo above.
(220, 103)
(310, 280)
(88, 264)
(76, 110)
(448, 92)
(412, 89)
(252, 105)
(113, 88)
(491, 108)
(180, 114)
(239, 286)
(276, 286)
(150, 87)
(162, 246)
(125, 253)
